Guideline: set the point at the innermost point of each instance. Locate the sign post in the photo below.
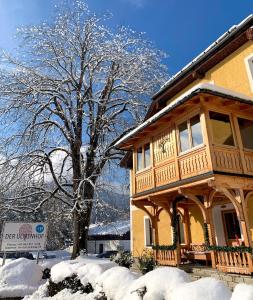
(22, 237)
(4, 258)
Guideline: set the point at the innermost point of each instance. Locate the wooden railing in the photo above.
(227, 160)
(144, 181)
(193, 163)
(248, 157)
(190, 164)
(167, 257)
(166, 174)
(234, 262)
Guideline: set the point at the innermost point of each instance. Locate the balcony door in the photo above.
(231, 228)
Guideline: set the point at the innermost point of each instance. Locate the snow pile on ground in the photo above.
(19, 278)
(115, 282)
(204, 288)
(243, 292)
(157, 283)
(23, 277)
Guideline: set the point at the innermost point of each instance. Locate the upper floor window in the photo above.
(143, 157)
(190, 134)
(221, 129)
(249, 68)
(246, 129)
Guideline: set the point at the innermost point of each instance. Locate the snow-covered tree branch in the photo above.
(72, 90)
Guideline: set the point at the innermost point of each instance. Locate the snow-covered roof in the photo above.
(114, 228)
(202, 87)
(228, 34)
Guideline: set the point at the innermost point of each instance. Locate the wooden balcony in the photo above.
(187, 165)
(219, 150)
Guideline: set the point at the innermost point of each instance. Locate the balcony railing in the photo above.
(186, 165)
(234, 262)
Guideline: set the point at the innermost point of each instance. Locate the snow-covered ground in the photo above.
(23, 278)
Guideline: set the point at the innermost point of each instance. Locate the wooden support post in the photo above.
(211, 232)
(245, 223)
(187, 228)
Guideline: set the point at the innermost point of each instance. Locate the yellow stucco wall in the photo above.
(230, 73)
(138, 231)
(196, 225)
(164, 229)
(138, 238)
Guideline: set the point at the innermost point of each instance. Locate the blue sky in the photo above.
(181, 28)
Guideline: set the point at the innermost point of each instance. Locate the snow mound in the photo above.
(65, 269)
(19, 278)
(39, 294)
(115, 282)
(90, 272)
(157, 283)
(21, 271)
(204, 288)
(242, 292)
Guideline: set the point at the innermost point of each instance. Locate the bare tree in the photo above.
(73, 89)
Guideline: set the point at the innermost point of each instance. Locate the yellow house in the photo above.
(191, 161)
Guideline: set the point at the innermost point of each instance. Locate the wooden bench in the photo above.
(198, 252)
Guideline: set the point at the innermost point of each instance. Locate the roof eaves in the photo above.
(222, 39)
(200, 88)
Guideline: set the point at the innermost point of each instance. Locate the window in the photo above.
(246, 129)
(221, 128)
(190, 134)
(249, 68)
(197, 138)
(143, 157)
(146, 155)
(184, 137)
(139, 158)
(148, 232)
(232, 227)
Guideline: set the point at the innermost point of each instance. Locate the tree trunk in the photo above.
(76, 234)
(81, 222)
(82, 213)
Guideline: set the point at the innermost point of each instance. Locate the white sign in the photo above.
(23, 237)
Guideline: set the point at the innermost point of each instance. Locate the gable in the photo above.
(230, 73)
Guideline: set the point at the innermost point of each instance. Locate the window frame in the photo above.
(228, 211)
(142, 146)
(190, 139)
(150, 233)
(249, 69)
(232, 128)
(239, 131)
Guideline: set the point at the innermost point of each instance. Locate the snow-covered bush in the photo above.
(65, 269)
(89, 273)
(123, 259)
(156, 284)
(204, 288)
(72, 283)
(115, 282)
(243, 292)
(146, 261)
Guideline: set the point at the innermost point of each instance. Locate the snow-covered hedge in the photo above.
(111, 282)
